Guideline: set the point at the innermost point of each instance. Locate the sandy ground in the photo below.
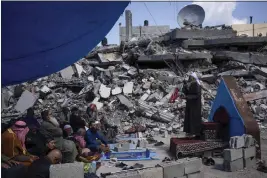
(209, 171)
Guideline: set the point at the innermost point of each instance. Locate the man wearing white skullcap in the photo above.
(192, 93)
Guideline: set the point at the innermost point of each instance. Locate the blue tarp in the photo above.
(41, 38)
(224, 99)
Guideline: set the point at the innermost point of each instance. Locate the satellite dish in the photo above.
(192, 14)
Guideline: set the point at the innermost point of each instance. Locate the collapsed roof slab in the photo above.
(171, 57)
(246, 58)
(222, 42)
(256, 95)
(200, 33)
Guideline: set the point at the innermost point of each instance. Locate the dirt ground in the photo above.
(209, 171)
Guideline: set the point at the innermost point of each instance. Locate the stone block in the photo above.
(232, 166)
(237, 142)
(250, 162)
(125, 101)
(26, 101)
(173, 169)
(128, 88)
(68, 170)
(128, 174)
(156, 172)
(122, 147)
(192, 165)
(232, 154)
(196, 175)
(116, 91)
(104, 91)
(249, 152)
(249, 141)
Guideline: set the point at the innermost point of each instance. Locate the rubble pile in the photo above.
(151, 98)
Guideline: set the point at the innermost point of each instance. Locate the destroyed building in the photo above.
(126, 98)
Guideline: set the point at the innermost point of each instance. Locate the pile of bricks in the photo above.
(242, 154)
(183, 168)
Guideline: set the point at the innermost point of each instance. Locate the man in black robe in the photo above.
(192, 92)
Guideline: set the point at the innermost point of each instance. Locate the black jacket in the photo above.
(39, 168)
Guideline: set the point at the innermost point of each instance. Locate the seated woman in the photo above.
(14, 147)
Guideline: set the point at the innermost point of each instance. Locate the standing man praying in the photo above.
(192, 91)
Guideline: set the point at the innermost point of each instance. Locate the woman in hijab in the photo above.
(14, 147)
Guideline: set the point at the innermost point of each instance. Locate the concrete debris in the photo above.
(108, 79)
(116, 91)
(67, 73)
(26, 101)
(128, 88)
(104, 91)
(125, 101)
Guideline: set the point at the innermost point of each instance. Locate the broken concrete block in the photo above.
(128, 88)
(132, 71)
(250, 162)
(116, 91)
(45, 89)
(26, 101)
(122, 147)
(67, 73)
(125, 101)
(79, 69)
(147, 85)
(237, 142)
(91, 78)
(232, 154)
(128, 174)
(173, 169)
(144, 97)
(192, 165)
(104, 91)
(232, 166)
(156, 172)
(155, 97)
(99, 105)
(249, 152)
(86, 89)
(125, 66)
(68, 170)
(249, 141)
(196, 175)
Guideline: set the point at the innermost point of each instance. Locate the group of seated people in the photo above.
(30, 145)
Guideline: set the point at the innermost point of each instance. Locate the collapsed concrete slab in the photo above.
(246, 58)
(67, 73)
(255, 96)
(110, 57)
(171, 57)
(236, 73)
(200, 33)
(125, 101)
(149, 111)
(26, 101)
(223, 42)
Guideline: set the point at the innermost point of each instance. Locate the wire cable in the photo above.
(153, 18)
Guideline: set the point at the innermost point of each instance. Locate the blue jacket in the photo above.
(91, 137)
